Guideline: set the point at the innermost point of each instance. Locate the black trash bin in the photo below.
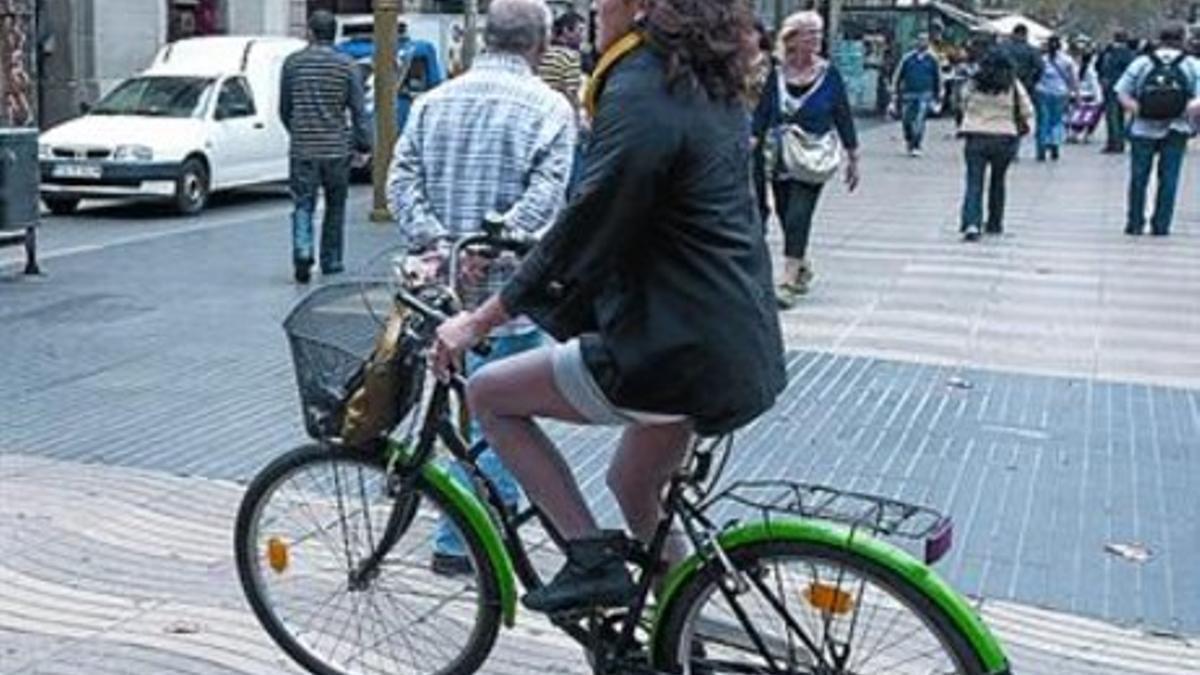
(19, 181)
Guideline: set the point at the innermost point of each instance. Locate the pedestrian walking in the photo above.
(1114, 61)
(1027, 61)
(1059, 82)
(1161, 93)
(319, 89)
(1087, 107)
(562, 68)
(804, 115)
(495, 139)
(917, 88)
(997, 111)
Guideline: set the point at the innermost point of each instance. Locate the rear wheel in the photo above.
(860, 618)
(60, 205)
(191, 187)
(307, 524)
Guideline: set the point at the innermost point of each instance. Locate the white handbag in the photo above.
(799, 155)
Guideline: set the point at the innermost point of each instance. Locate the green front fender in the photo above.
(882, 553)
(481, 523)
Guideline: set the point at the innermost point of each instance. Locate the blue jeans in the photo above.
(1169, 152)
(305, 177)
(986, 153)
(447, 541)
(1051, 130)
(916, 111)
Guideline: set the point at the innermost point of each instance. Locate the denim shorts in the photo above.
(577, 384)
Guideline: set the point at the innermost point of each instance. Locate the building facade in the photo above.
(86, 47)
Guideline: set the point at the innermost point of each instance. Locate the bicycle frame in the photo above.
(500, 531)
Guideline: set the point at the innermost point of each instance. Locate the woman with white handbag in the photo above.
(804, 126)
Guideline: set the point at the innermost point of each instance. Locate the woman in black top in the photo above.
(806, 90)
(656, 278)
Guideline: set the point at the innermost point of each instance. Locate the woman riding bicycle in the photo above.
(657, 280)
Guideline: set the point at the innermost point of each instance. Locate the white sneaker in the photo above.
(915, 153)
(971, 233)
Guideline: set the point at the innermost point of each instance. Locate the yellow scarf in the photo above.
(618, 50)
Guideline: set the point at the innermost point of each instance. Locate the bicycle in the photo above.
(333, 546)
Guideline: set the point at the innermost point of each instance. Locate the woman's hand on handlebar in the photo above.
(454, 337)
(461, 332)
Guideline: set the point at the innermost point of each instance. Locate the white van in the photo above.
(203, 117)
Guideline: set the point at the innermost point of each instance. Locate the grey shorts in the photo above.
(576, 384)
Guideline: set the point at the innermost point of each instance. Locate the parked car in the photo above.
(203, 117)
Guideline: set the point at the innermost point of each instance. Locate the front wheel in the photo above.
(307, 524)
(191, 188)
(808, 608)
(60, 205)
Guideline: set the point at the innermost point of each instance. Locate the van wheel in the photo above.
(191, 188)
(61, 206)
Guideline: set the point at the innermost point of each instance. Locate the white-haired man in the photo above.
(496, 139)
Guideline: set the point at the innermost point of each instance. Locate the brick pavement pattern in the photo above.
(1044, 388)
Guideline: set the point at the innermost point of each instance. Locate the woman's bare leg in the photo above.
(646, 459)
(505, 396)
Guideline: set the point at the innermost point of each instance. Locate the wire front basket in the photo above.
(332, 334)
(870, 514)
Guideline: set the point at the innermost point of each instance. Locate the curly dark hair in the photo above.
(705, 44)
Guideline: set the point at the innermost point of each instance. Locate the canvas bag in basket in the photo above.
(386, 388)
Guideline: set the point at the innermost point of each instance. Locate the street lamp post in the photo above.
(387, 15)
(470, 32)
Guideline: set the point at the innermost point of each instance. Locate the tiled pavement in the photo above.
(162, 354)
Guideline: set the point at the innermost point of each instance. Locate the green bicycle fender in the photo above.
(481, 523)
(882, 553)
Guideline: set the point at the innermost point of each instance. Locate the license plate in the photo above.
(78, 171)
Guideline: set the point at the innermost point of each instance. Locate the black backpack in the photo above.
(1166, 90)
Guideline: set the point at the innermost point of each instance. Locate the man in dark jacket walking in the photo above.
(1114, 61)
(1026, 59)
(319, 85)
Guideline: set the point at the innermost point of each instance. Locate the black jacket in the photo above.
(661, 252)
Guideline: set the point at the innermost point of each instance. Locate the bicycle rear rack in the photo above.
(879, 516)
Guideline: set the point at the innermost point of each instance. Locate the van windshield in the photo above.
(157, 96)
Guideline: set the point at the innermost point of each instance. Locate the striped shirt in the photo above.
(561, 69)
(318, 87)
(494, 139)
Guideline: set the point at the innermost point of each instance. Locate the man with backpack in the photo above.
(1161, 92)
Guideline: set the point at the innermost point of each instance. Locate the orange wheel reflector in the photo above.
(829, 599)
(277, 554)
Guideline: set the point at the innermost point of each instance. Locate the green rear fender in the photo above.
(886, 555)
(480, 522)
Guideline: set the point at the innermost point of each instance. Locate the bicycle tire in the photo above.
(483, 636)
(669, 650)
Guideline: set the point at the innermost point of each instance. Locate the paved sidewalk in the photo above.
(142, 581)
(1044, 388)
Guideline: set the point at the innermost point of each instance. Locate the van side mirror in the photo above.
(85, 107)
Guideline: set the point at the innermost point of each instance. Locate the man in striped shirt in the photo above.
(318, 87)
(561, 66)
(495, 139)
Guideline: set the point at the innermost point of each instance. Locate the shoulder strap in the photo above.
(802, 100)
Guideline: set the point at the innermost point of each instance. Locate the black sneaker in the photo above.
(448, 565)
(303, 274)
(594, 576)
